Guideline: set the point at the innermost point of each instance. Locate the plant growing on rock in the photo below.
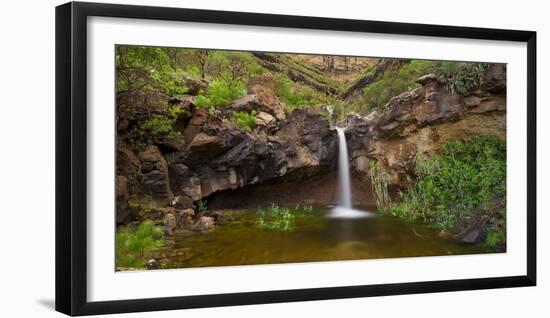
(134, 247)
(201, 206)
(220, 93)
(245, 120)
(156, 128)
(468, 179)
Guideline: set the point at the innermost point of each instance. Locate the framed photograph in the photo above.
(208, 158)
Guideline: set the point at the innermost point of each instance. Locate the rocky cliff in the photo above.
(419, 121)
(215, 156)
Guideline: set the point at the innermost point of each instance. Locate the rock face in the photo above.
(218, 156)
(259, 99)
(421, 120)
(221, 156)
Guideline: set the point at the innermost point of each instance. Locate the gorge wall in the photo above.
(216, 158)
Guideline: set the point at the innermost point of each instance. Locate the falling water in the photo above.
(345, 210)
(343, 170)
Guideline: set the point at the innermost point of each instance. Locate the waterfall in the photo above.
(343, 170)
(344, 209)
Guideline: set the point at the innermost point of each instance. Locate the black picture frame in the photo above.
(71, 157)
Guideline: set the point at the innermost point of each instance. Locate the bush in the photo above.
(468, 178)
(275, 218)
(155, 129)
(296, 95)
(134, 247)
(245, 120)
(220, 93)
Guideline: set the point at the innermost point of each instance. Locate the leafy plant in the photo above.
(245, 120)
(134, 247)
(468, 178)
(142, 204)
(146, 69)
(296, 95)
(201, 206)
(275, 218)
(220, 93)
(460, 78)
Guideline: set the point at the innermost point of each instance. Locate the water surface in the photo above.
(316, 237)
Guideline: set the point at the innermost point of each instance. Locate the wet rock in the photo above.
(170, 223)
(204, 223)
(473, 229)
(186, 217)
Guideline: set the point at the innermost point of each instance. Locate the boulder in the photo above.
(185, 181)
(264, 119)
(195, 86)
(169, 223)
(259, 99)
(199, 119)
(185, 217)
(203, 223)
(154, 175)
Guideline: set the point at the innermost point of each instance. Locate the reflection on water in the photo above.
(316, 237)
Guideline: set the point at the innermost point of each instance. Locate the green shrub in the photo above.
(201, 206)
(296, 95)
(275, 218)
(245, 120)
(155, 129)
(220, 93)
(142, 204)
(468, 177)
(134, 247)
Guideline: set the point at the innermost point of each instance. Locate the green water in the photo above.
(238, 241)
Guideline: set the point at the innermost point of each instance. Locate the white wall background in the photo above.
(27, 159)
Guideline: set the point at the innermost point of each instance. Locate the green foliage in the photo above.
(469, 177)
(380, 180)
(275, 218)
(459, 77)
(465, 79)
(134, 247)
(245, 120)
(142, 204)
(155, 129)
(220, 93)
(376, 95)
(296, 95)
(146, 69)
(496, 233)
(201, 206)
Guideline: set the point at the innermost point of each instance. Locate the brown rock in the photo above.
(169, 223)
(154, 172)
(204, 223)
